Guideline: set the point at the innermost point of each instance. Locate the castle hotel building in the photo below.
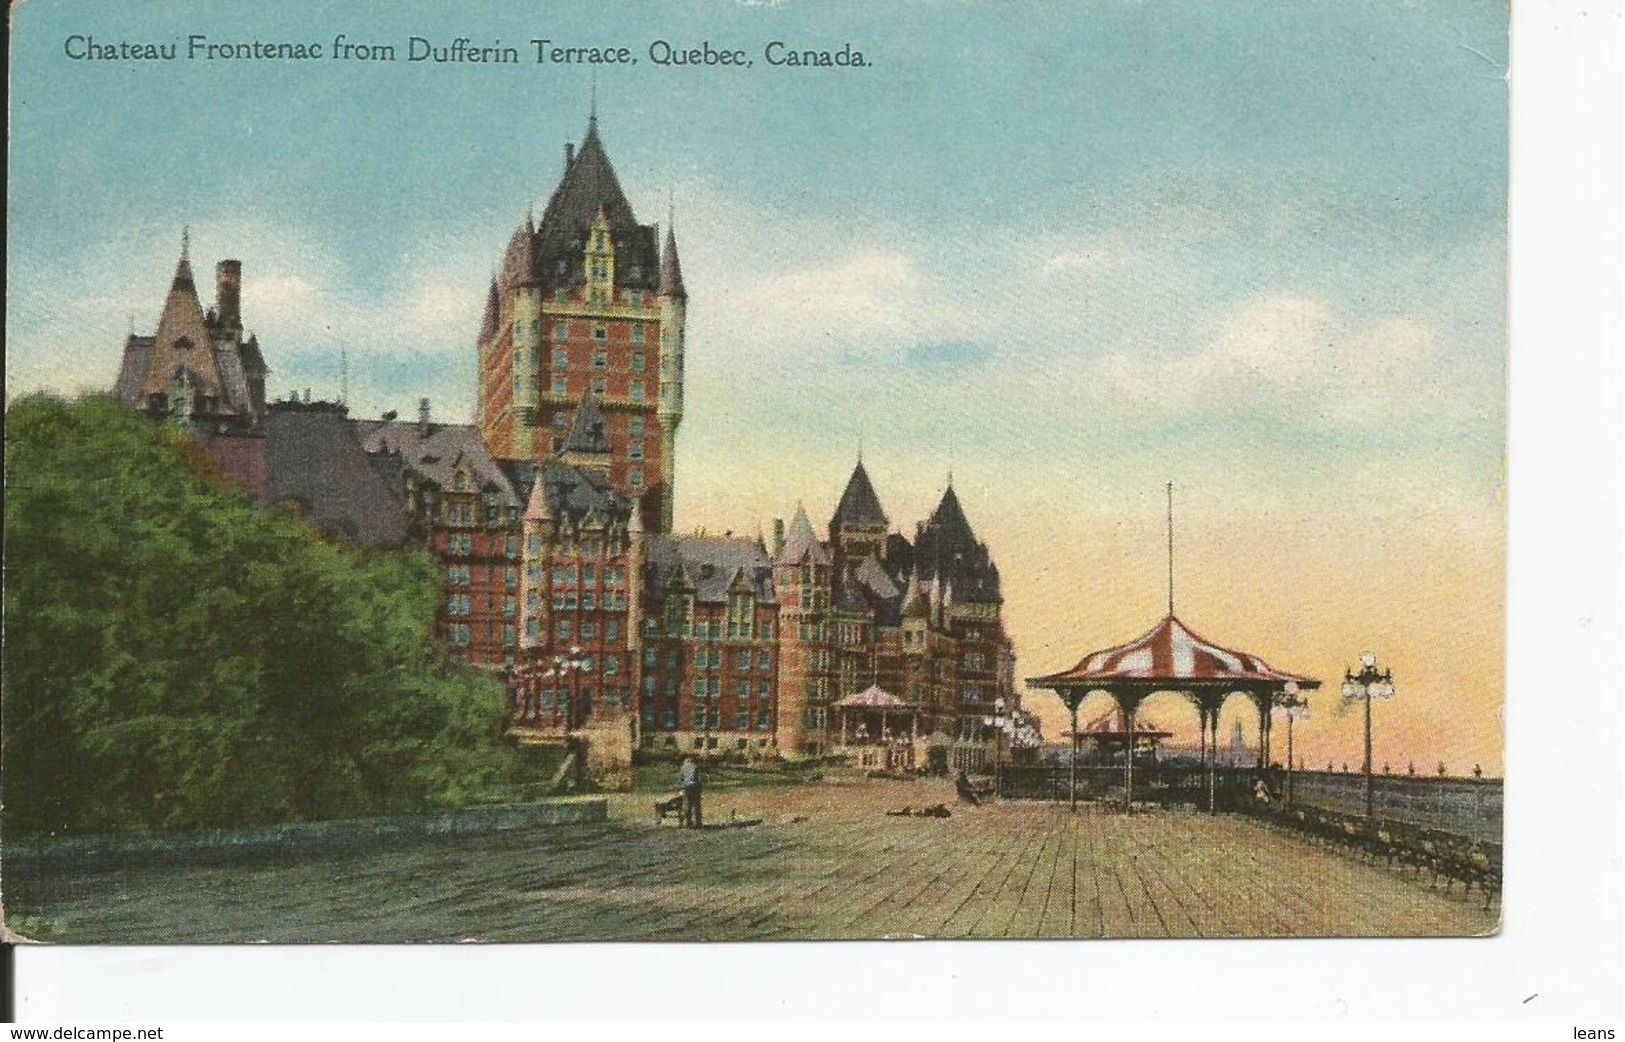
(551, 514)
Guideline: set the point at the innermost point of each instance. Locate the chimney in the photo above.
(423, 417)
(778, 537)
(569, 154)
(228, 288)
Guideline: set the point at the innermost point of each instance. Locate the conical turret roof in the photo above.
(182, 343)
(589, 185)
(801, 541)
(859, 505)
(493, 310)
(671, 270)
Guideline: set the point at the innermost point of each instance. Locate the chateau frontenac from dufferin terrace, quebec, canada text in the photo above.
(705, 496)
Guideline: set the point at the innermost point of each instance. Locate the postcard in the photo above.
(754, 471)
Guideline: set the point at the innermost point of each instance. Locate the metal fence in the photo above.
(1463, 806)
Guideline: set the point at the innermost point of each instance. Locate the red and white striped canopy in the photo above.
(1171, 655)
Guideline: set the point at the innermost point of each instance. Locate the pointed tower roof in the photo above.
(950, 524)
(588, 185)
(801, 540)
(493, 308)
(182, 342)
(539, 509)
(859, 505)
(587, 432)
(671, 270)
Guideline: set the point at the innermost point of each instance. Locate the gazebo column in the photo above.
(1263, 704)
(1213, 754)
(1130, 708)
(1073, 697)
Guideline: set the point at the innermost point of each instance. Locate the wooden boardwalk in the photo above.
(1017, 870)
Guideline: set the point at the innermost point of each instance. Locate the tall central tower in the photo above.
(589, 303)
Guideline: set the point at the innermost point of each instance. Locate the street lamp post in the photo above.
(1294, 707)
(1367, 684)
(569, 668)
(996, 721)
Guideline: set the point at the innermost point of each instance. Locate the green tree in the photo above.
(175, 658)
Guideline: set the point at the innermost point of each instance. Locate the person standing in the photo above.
(688, 779)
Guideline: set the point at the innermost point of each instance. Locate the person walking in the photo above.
(688, 780)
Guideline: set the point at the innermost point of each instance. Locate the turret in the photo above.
(673, 300)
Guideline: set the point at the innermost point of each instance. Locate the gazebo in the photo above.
(1110, 733)
(876, 718)
(1170, 657)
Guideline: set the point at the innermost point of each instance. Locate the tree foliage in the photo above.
(176, 659)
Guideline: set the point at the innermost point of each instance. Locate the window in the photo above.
(702, 658)
(743, 720)
(637, 357)
(638, 335)
(510, 579)
(588, 601)
(612, 665)
(744, 691)
(636, 449)
(560, 423)
(600, 359)
(637, 427)
(510, 636)
(561, 387)
(764, 691)
(716, 689)
(612, 629)
(512, 547)
(649, 656)
(764, 720)
(637, 391)
(764, 659)
(648, 718)
(699, 690)
(699, 717)
(599, 388)
(635, 478)
(600, 333)
(561, 331)
(510, 607)
(671, 719)
(563, 629)
(588, 630)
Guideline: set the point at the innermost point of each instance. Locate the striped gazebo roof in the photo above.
(874, 697)
(1171, 656)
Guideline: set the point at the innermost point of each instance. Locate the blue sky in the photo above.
(1069, 250)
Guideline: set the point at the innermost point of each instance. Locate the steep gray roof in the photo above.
(314, 459)
(133, 370)
(947, 546)
(572, 492)
(437, 453)
(587, 431)
(589, 184)
(671, 270)
(801, 541)
(859, 505)
(711, 565)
